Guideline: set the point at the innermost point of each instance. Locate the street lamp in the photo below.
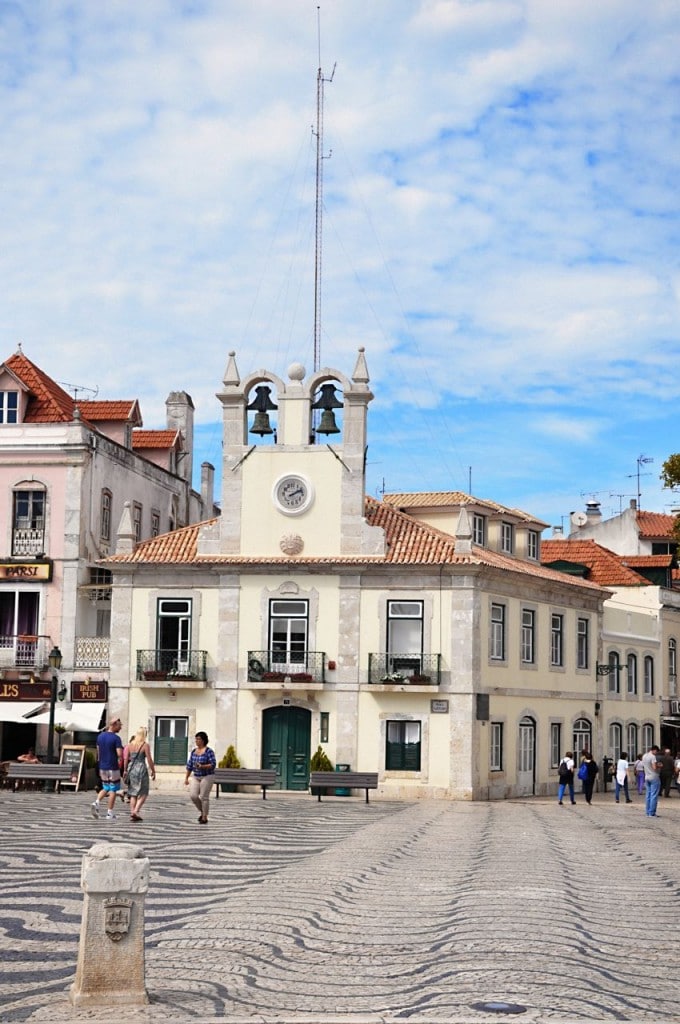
(54, 658)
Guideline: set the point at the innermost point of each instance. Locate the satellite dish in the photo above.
(579, 518)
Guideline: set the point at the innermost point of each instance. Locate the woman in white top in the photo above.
(622, 777)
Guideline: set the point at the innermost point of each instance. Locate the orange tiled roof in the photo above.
(655, 524)
(122, 409)
(408, 543)
(155, 438)
(452, 499)
(606, 567)
(47, 402)
(647, 561)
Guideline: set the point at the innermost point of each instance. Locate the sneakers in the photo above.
(94, 809)
(110, 816)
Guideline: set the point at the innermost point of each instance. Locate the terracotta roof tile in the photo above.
(647, 561)
(122, 409)
(452, 499)
(408, 543)
(606, 568)
(655, 524)
(155, 438)
(47, 402)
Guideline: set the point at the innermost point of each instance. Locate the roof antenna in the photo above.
(320, 82)
(77, 389)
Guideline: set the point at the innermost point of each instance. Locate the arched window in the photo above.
(649, 675)
(647, 736)
(614, 672)
(615, 737)
(583, 735)
(632, 741)
(631, 665)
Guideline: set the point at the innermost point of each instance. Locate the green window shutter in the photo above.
(169, 751)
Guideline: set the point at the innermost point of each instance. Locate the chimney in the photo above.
(207, 487)
(593, 511)
(558, 531)
(180, 416)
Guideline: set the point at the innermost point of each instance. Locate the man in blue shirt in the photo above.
(109, 759)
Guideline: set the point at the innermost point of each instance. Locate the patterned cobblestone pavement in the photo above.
(287, 910)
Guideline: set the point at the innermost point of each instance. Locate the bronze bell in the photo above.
(260, 405)
(328, 424)
(327, 401)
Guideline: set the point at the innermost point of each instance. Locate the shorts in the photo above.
(110, 780)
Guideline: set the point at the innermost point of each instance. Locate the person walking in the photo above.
(667, 771)
(137, 765)
(566, 775)
(621, 777)
(109, 761)
(639, 770)
(587, 774)
(200, 769)
(652, 780)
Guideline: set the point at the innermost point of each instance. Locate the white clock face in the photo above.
(293, 494)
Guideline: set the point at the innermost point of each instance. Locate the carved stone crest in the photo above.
(291, 544)
(117, 912)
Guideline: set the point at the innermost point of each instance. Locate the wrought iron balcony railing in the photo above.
(27, 542)
(92, 652)
(163, 664)
(417, 669)
(278, 666)
(24, 651)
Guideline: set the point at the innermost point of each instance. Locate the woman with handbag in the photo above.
(201, 768)
(137, 764)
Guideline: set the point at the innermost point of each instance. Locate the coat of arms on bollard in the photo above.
(117, 917)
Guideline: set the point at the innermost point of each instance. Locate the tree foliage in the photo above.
(670, 471)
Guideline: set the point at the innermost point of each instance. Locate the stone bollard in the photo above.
(110, 971)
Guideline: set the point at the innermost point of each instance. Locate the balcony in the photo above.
(170, 666)
(27, 543)
(404, 669)
(22, 651)
(293, 667)
(92, 652)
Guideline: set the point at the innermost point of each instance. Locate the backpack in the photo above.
(563, 770)
(583, 772)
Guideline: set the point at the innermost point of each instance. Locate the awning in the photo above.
(85, 716)
(20, 711)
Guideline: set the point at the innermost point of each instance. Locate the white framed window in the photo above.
(497, 633)
(582, 736)
(556, 640)
(173, 632)
(615, 740)
(532, 545)
(528, 636)
(288, 630)
(405, 632)
(479, 529)
(582, 643)
(28, 535)
(647, 736)
(672, 665)
(555, 744)
(507, 538)
(631, 666)
(649, 675)
(171, 740)
(9, 406)
(614, 672)
(496, 747)
(632, 741)
(403, 746)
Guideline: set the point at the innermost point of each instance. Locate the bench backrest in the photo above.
(356, 780)
(258, 776)
(38, 771)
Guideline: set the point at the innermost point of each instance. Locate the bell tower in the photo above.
(293, 471)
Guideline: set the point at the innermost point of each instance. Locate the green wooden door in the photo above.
(285, 745)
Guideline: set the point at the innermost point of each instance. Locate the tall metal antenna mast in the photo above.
(320, 82)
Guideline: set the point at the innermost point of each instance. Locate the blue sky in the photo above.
(500, 226)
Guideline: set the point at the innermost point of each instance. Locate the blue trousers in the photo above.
(652, 787)
(561, 788)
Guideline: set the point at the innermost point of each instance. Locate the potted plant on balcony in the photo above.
(154, 673)
(418, 680)
(320, 762)
(393, 677)
(230, 760)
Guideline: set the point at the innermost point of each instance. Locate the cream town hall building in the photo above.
(419, 636)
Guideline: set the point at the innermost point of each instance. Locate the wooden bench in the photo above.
(16, 772)
(245, 777)
(343, 780)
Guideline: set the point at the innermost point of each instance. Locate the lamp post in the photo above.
(54, 658)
